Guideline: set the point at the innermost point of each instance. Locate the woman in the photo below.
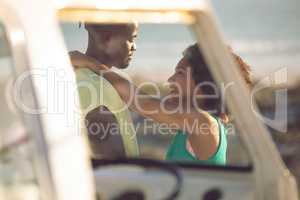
(193, 106)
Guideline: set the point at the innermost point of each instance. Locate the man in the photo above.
(111, 45)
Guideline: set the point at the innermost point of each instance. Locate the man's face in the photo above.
(120, 47)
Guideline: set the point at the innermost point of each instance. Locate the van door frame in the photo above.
(61, 155)
(17, 47)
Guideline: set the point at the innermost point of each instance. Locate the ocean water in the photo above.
(265, 33)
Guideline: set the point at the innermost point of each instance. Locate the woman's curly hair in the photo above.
(202, 74)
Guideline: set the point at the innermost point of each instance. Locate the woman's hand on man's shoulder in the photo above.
(81, 60)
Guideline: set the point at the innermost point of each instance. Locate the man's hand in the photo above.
(80, 60)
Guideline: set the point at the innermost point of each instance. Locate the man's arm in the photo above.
(104, 133)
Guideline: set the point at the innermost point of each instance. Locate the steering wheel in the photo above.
(146, 163)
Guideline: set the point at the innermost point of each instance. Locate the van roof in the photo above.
(116, 11)
(180, 5)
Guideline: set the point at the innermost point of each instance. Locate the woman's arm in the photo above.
(202, 128)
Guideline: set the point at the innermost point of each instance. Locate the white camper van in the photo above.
(44, 153)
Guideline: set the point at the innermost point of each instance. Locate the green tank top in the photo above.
(177, 150)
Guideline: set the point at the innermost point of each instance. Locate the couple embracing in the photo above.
(185, 107)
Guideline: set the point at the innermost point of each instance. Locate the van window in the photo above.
(159, 48)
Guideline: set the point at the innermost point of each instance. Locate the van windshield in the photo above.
(172, 82)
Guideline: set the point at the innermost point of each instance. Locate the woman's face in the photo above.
(182, 84)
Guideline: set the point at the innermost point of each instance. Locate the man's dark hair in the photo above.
(109, 29)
